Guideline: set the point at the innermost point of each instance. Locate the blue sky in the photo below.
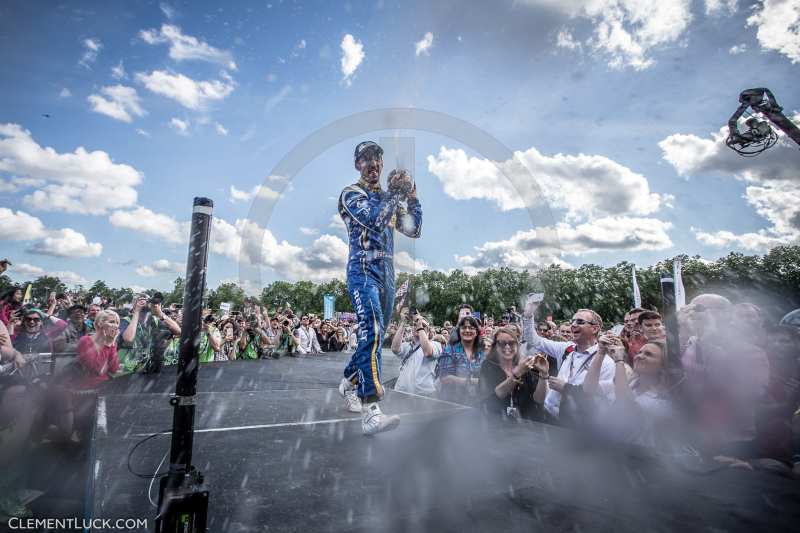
(612, 109)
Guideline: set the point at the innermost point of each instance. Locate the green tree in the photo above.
(227, 292)
(44, 285)
(176, 296)
(99, 288)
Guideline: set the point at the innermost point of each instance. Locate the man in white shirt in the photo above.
(418, 368)
(307, 337)
(573, 357)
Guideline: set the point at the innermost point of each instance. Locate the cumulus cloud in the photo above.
(773, 188)
(32, 271)
(715, 7)
(261, 191)
(352, 56)
(117, 101)
(309, 231)
(80, 182)
(547, 245)
(19, 226)
(147, 222)
(625, 31)
(337, 223)
(161, 266)
(220, 129)
(181, 126)
(778, 27)
(564, 39)
(405, 262)
(186, 91)
(187, 48)
(27, 270)
(91, 48)
(245, 241)
(66, 243)
(587, 184)
(423, 46)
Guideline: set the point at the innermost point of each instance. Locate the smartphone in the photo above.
(616, 330)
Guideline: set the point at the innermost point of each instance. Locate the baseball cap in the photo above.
(366, 147)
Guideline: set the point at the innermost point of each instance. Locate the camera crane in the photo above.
(760, 135)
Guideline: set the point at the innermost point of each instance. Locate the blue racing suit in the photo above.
(371, 216)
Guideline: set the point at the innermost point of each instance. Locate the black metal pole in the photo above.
(183, 481)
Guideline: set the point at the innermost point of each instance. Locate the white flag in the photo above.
(637, 296)
(680, 293)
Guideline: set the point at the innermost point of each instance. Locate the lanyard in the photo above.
(581, 368)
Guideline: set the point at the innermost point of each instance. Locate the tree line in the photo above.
(771, 281)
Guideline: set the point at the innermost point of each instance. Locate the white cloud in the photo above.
(220, 129)
(352, 56)
(118, 71)
(68, 277)
(27, 270)
(773, 185)
(118, 101)
(337, 223)
(760, 240)
(546, 245)
(627, 31)
(309, 231)
(142, 132)
(147, 222)
(423, 45)
(79, 182)
(19, 226)
(91, 47)
(714, 7)
(587, 184)
(65, 93)
(737, 49)
(245, 241)
(404, 262)
(185, 47)
(66, 243)
(262, 191)
(566, 40)
(186, 91)
(161, 266)
(778, 27)
(181, 126)
(31, 271)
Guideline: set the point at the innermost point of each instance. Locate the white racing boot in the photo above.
(374, 421)
(348, 392)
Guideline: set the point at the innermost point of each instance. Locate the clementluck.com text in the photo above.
(60, 524)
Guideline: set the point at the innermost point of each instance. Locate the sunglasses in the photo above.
(33, 320)
(468, 328)
(581, 322)
(506, 344)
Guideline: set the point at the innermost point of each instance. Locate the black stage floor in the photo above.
(280, 453)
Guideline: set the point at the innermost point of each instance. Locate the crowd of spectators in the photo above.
(729, 390)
